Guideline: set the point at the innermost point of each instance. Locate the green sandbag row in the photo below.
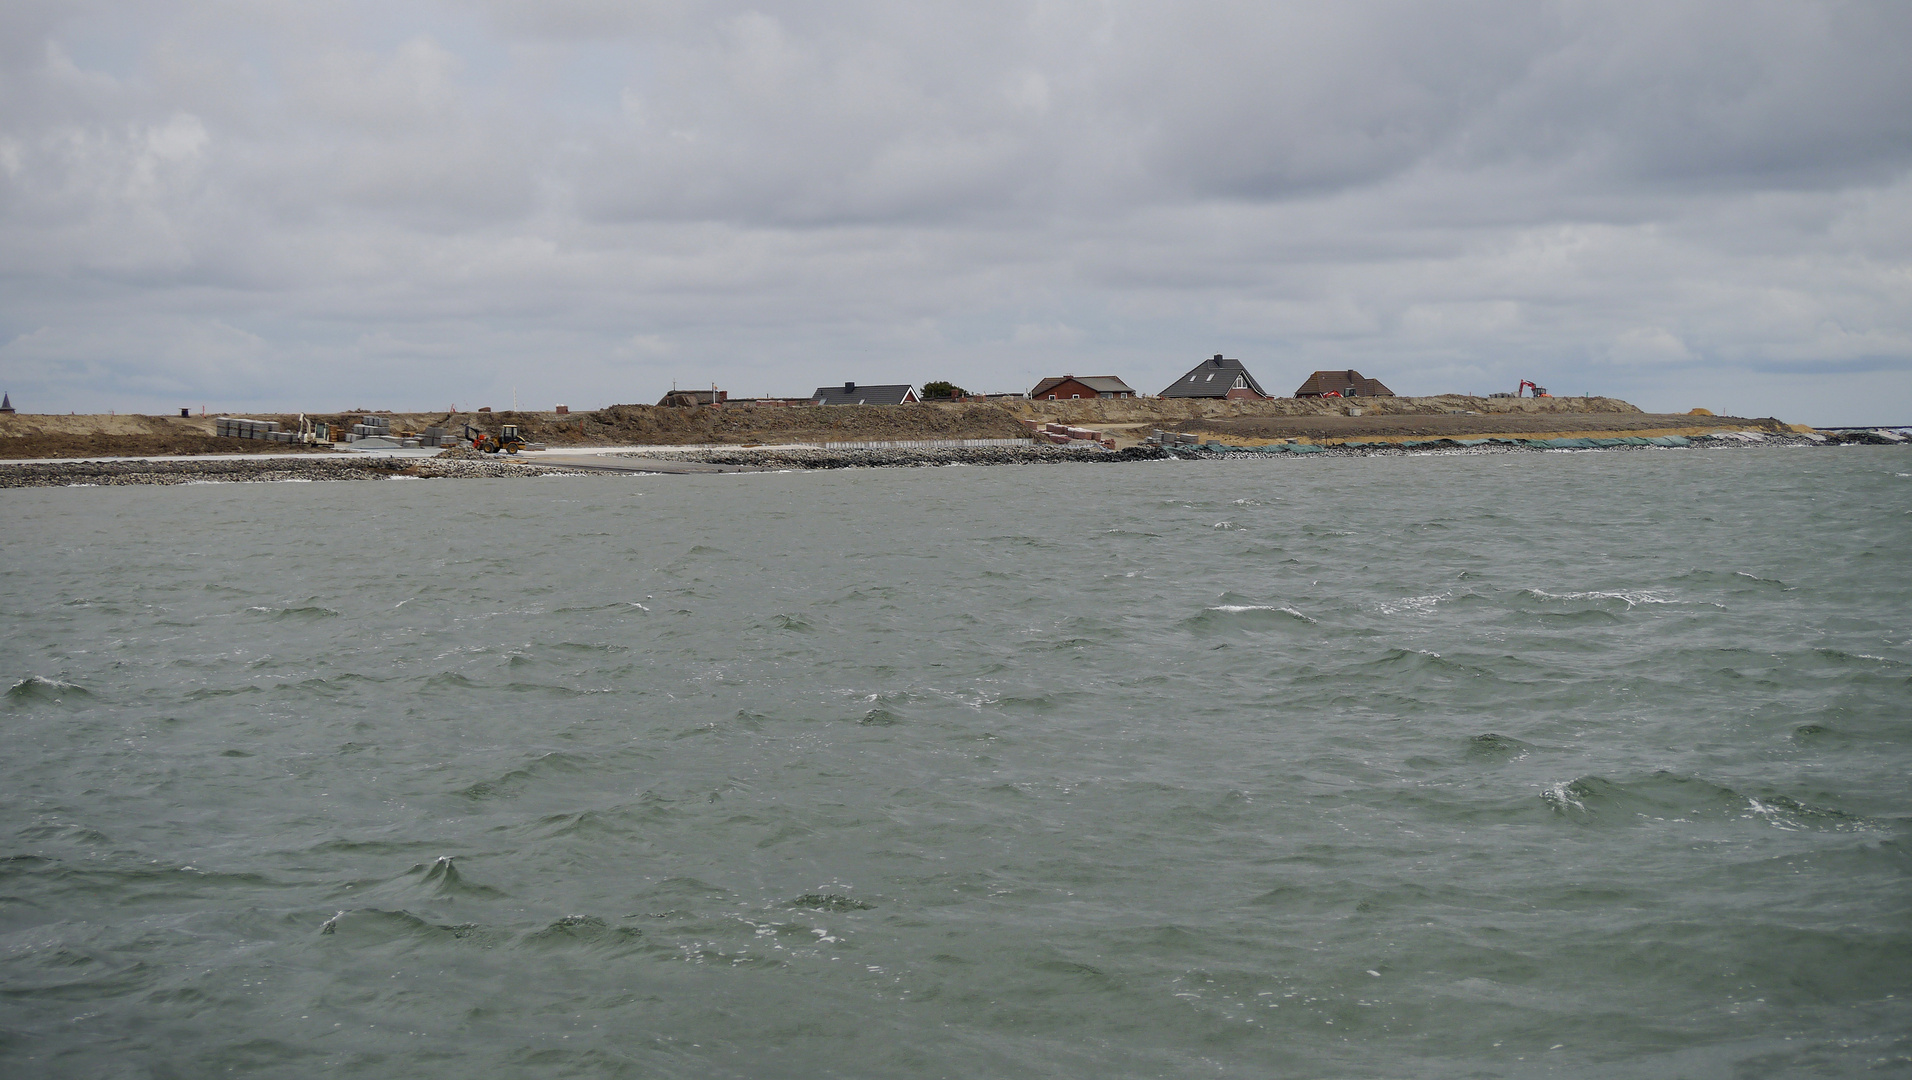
(1537, 444)
(1272, 448)
(1603, 444)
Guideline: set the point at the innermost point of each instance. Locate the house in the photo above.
(1219, 377)
(852, 394)
(1347, 383)
(683, 398)
(1071, 387)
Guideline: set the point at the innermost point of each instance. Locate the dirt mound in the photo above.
(740, 424)
(1147, 410)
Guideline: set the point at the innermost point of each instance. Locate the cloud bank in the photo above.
(335, 204)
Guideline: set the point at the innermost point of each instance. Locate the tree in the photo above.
(943, 390)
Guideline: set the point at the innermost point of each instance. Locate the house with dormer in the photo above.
(852, 394)
(1219, 377)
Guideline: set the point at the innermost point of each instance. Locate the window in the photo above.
(1073, 397)
(1241, 383)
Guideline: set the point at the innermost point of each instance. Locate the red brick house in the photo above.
(1071, 387)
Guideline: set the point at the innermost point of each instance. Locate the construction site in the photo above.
(1114, 423)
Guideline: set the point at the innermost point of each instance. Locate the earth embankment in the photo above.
(35, 435)
(1128, 420)
(1253, 429)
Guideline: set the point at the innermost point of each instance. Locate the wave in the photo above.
(672, 896)
(1737, 580)
(830, 902)
(327, 686)
(585, 931)
(1236, 616)
(1425, 605)
(442, 878)
(301, 612)
(511, 783)
(615, 823)
(35, 689)
(1669, 796)
(587, 648)
(1839, 658)
(622, 606)
(208, 693)
(371, 925)
(451, 680)
(553, 690)
(433, 882)
(1629, 597)
(1492, 747)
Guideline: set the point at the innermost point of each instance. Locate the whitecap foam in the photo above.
(1559, 795)
(1628, 597)
(1237, 609)
(1415, 605)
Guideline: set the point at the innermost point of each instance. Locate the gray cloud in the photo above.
(260, 205)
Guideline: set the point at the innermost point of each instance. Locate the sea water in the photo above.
(1564, 764)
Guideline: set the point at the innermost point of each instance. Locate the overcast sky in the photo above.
(327, 204)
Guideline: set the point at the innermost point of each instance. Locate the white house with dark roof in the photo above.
(852, 394)
(1219, 377)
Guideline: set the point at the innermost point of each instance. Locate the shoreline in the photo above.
(467, 464)
(146, 472)
(25, 436)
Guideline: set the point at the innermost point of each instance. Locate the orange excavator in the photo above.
(509, 441)
(1539, 391)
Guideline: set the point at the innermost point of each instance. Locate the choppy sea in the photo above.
(1565, 764)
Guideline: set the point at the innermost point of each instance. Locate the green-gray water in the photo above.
(1516, 765)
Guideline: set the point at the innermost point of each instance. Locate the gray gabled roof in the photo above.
(1212, 378)
(1101, 384)
(1349, 383)
(850, 393)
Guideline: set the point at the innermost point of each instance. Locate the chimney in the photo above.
(849, 388)
(1218, 359)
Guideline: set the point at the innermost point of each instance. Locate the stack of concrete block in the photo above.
(372, 425)
(236, 427)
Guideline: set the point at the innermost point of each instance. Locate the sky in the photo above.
(278, 205)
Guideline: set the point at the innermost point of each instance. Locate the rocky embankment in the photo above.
(1212, 450)
(451, 465)
(465, 463)
(905, 458)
